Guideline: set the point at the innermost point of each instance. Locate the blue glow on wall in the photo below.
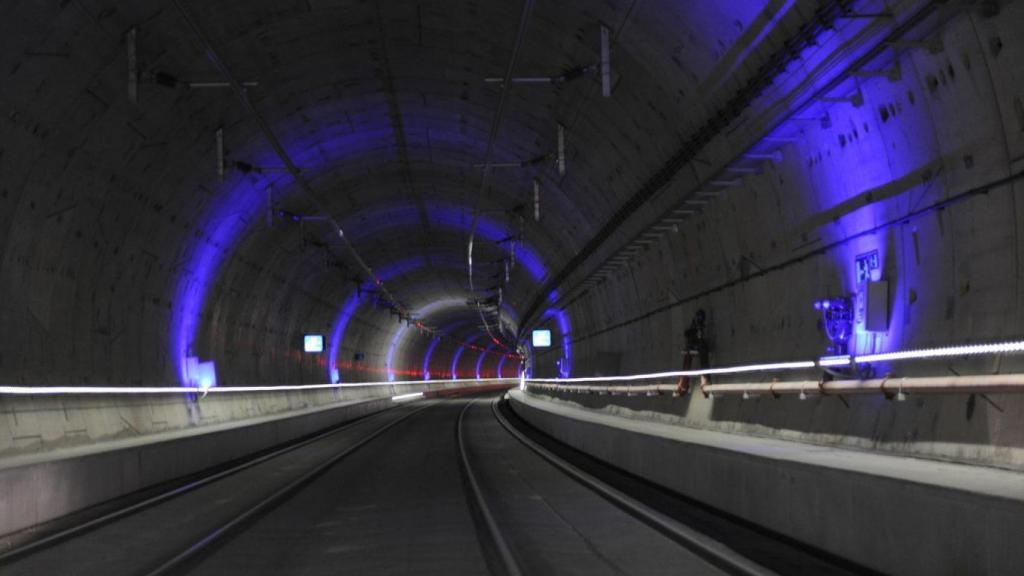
(421, 312)
(391, 351)
(226, 223)
(460, 218)
(353, 301)
(564, 328)
(839, 177)
(348, 310)
(459, 351)
(239, 205)
(426, 357)
(480, 360)
(445, 330)
(457, 218)
(455, 361)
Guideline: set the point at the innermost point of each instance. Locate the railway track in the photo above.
(435, 486)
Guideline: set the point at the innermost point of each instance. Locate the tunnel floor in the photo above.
(391, 494)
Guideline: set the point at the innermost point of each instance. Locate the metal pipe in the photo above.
(892, 387)
(524, 80)
(247, 84)
(499, 165)
(983, 384)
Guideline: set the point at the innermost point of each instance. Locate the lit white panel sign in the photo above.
(313, 343)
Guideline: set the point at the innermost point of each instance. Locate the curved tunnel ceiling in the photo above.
(384, 108)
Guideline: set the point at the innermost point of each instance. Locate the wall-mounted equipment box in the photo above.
(872, 308)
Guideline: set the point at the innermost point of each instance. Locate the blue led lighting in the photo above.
(501, 364)
(239, 205)
(426, 357)
(480, 360)
(444, 216)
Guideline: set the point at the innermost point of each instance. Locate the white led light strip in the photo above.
(834, 361)
(679, 373)
(53, 390)
(402, 397)
(827, 361)
(969, 350)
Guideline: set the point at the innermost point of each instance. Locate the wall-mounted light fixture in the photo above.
(837, 317)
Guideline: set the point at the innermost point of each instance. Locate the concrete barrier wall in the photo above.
(894, 514)
(42, 423)
(972, 432)
(88, 450)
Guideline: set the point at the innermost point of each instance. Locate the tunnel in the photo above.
(512, 287)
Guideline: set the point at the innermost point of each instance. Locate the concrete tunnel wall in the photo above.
(113, 217)
(952, 122)
(100, 233)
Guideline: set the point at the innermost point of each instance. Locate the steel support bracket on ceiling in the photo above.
(603, 69)
(536, 200)
(133, 65)
(606, 62)
(561, 150)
